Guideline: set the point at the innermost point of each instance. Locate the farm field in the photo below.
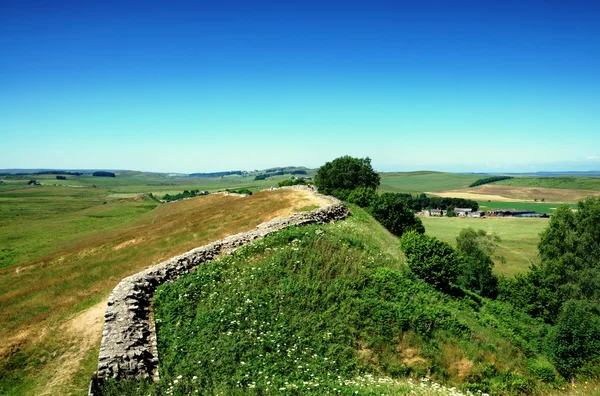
(540, 207)
(63, 252)
(495, 192)
(567, 183)
(413, 182)
(519, 237)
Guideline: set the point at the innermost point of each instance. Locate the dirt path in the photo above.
(84, 333)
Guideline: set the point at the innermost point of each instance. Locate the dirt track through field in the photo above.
(500, 193)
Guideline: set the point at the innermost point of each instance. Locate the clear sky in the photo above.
(197, 87)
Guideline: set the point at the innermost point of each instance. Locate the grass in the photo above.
(568, 183)
(412, 182)
(331, 309)
(66, 250)
(539, 207)
(519, 237)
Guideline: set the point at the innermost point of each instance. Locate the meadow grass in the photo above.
(539, 207)
(519, 237)
(568, 183)
(411, 182)
(72, 249)
(332, 310)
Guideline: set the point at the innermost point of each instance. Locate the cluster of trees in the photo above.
(33, 182)
(422, 201)
(184, 194)
(216, 174)
(59, 173)
(564, 288)
(103, 174)
(487, 180)
(59, 177)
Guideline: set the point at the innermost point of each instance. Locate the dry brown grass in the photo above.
(501, 193)
(42, 295)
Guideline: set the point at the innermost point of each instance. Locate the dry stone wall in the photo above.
(128, 348)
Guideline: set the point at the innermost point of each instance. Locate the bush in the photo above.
(291, 182)
(432, 260)
(346, 173)
(362, 196)
(542, 369)
(575, 339)
(393, 214)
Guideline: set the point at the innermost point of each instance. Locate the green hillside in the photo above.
(332, 309)
(425, 181)
(567, 183)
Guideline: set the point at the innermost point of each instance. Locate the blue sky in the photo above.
(193, 86)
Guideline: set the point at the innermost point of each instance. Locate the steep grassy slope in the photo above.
(95, 246)
(318, 309)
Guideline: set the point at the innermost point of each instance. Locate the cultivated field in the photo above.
(540, 207)
(519, 237)
(64, 250)
(501, 193)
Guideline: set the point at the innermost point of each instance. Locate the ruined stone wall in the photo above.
(128, 348)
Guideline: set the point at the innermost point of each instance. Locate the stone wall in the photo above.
(128, 348)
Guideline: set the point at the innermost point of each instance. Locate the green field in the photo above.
(412, 182)
(539, 207)
(567, 183)
(519, 237)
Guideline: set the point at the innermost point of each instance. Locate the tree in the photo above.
(344, 174)
(432, 260)
(575, 339)
(362, 196)
(389, 209)
(478, 247)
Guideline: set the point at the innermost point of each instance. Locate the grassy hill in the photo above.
(64, 250)
(331, 309)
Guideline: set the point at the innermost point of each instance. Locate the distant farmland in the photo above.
(411, 182)
(567, 183)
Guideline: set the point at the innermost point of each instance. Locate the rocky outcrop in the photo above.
(128, 348)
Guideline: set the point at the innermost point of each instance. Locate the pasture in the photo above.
(519, 237)
(414, 182)
(566, 183)
(64, 250)
(540, 207)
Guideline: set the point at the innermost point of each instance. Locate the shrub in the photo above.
(346, 173)
(542, 369)
(432, 260)
(393, 214)
(362, 196)
(291, 182)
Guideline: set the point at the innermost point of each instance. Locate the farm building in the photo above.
(437, 213)
(463, 212)
(476, 214)
(515, 213)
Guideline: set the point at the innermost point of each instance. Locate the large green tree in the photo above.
(478, 247)
(344, 174)
(391, 211)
